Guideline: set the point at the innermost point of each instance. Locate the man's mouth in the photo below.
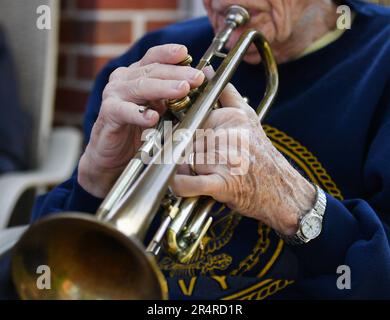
(254, 8)
(254, 12)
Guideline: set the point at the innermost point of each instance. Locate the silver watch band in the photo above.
(317, 210)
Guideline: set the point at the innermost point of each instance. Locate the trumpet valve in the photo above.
(186, 62)
(177, 105)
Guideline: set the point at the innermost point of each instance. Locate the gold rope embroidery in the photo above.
(293, 148)
(260, 248)
(207, 263)
(260, 291)
(317, 174)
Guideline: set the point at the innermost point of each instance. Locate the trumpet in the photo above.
(104, 256)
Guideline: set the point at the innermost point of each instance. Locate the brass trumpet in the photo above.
(103, 256)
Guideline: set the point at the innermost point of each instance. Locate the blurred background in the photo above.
(46, 77)
(94, 31)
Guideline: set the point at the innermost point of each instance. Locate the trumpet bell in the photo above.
(87, 259)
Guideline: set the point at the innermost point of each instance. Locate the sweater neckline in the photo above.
(329, 49)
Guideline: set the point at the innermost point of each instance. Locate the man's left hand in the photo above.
(268, 188)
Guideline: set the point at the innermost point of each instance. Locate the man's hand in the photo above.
(116, 134)
(270, 190)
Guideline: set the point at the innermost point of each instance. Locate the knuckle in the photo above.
(190, 72)
(118, 73)
(188, 69)
(148, 69)
(111, 88)
(107, 92)
(137, 88)
(204, 184)
(208, 186)
(177, 47)
(149, 53)
(108, 106)
(134, 65)
(223, 187)
(119, 109)
(140, 83)
(240, 114)
(170, 48)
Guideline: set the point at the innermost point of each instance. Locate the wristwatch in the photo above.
(310, 224)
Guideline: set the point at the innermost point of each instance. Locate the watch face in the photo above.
(311, 226)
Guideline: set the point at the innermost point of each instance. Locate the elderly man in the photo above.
(313, 208)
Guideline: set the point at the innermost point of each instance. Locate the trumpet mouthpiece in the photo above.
(237, 15)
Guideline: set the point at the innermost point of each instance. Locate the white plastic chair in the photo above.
(54, 152)
(8, 239)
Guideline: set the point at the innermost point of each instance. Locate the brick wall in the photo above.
(94, 31)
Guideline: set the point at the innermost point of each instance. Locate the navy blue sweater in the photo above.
(332, 121)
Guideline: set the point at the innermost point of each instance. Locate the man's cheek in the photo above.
(208, 5)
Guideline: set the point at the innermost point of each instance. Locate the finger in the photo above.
(209, 72)
(193, 76)
(159, 106)
(223, 116)
(219, 125)
(230, 97)
(142, 90)
(192, 186)
(167, 54)
(205, 163)
(198, 163)
(123, 112)
(184, 169)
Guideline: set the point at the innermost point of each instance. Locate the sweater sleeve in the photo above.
(355, 233)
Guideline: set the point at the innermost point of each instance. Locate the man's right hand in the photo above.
(116, 134)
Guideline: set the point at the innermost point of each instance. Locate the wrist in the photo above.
(95, 180)
(310, 224)
(299, 203)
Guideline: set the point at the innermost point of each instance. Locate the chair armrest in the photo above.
(63, 154)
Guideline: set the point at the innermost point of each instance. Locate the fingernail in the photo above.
(208, 68)
(149, 114)
(197, 75)
(209, 71)
(176, 49)
(181, 85)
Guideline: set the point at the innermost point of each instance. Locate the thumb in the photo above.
(230, 96)
(192, 186)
